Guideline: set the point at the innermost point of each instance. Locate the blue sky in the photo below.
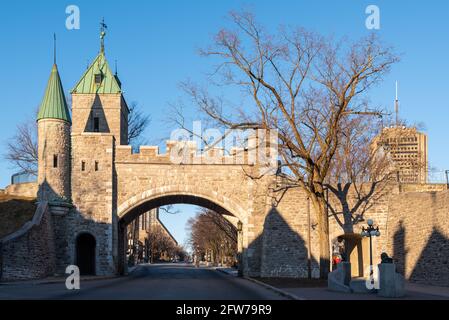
(156, 45)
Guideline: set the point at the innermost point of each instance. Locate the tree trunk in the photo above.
(319, 204)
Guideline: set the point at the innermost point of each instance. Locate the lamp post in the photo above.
(370, 232)
(447, 178)
(240, 248)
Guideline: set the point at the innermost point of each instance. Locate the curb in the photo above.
(53, 281)
(266, 286)
(277, 290)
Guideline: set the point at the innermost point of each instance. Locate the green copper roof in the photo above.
(107, 81)
(54, 105)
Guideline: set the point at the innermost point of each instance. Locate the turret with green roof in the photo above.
(54, 104)
(54, 142)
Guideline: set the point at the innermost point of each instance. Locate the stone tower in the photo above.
(100, 123)
(54, 145)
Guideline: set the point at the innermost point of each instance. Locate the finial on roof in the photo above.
(103, 28)
(116, 70)
(54, 48)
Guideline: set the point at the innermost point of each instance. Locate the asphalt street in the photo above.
(149, 282)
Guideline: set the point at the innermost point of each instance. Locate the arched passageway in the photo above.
(133, 212)
(85, 253)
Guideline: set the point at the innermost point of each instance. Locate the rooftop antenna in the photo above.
(54, 48)
(396, 105)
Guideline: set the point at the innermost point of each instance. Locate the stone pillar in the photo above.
(391, 283)
(340, 279)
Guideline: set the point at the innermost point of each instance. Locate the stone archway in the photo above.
(175, 194)
(151, 199)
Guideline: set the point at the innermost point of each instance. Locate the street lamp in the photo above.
(371, 232)
(447, 178)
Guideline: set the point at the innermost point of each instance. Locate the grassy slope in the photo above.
(14, 213)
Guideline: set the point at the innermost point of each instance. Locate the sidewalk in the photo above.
(413, 292)
(230, 271)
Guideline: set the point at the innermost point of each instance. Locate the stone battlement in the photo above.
(187, 153)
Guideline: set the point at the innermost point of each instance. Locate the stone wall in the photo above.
(29, 252)
(286, 241)
(28, 190)
(418, 236)
(109, 108)
(423, 187)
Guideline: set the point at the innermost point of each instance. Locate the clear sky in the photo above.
(156, 45)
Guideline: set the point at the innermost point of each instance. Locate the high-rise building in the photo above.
(407, 149)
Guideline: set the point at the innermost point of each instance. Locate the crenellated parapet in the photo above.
(184, 153)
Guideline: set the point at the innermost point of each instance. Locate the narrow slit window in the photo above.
(55, 161)
(96, 166)
(83, 165)
(96, 124)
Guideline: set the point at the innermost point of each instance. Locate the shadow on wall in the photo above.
(97, 121)
(432, 265)
(399, 250)
(284, 253)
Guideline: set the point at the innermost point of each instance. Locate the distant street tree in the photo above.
(160, 244)
(311, 89)
(22, 149)
(211, 233)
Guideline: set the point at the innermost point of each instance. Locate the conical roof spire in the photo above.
(54, 104)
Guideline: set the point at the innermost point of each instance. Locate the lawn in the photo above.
(14, 213)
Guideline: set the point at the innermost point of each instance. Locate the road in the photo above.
(149, 282)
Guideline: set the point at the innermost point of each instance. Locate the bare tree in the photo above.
(138, 122)
(160, 244)
(212, 233)
(307, 87)
(22, 150)
(360, 173)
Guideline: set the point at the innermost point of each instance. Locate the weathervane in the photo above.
(103, 28)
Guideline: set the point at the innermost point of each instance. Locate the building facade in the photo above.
(408, 152)
(149, 240)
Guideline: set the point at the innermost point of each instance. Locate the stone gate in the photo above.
(92, 185)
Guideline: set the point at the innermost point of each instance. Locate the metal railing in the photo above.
(23, 177)
(438, 177)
